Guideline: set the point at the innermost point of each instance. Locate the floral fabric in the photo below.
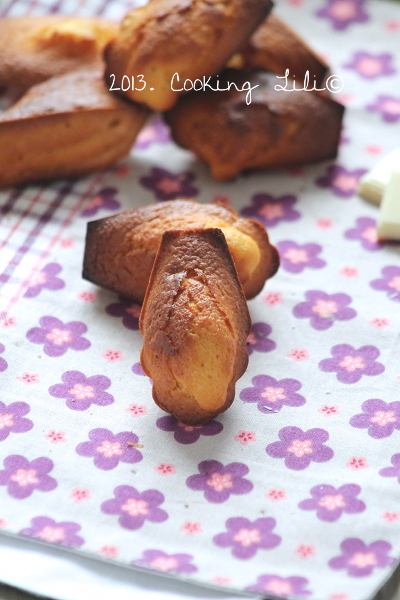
(293, 492)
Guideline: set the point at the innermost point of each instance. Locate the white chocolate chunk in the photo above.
(388, 227)
(373, 184)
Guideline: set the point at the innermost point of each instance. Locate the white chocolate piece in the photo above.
(373, 184)
(388, 227)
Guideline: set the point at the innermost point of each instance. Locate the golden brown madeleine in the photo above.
(33, 49)
(195, 322)
(277, 129)
(120, 250)
(275, 47)
(193, 38)
(65, 127)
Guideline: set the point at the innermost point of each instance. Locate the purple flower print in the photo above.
(81, 391)
(166, 563)
(168, 186)
(155, 131)
(371, 66)
(389, 283)
(138, 370)
(379, 417)
(258, 338)
(45, 279)
(3, 363)
(365, 231)
(271, 395)
(218, 481)
(296, 257)
(299, 447)
(134, 507)
(281, 587)
(392, 471)
(270, 210)
(324, 309)
(246, 537)
(57, 336)
(351, 364)
(129, 311)
(359, 559)
(47, 530)
(388, 106)
(343, 183)
(330, 502)
(108, 449)
(104, 200)
(188, 434)
(341, 13)
(23, 477)
(12, 419)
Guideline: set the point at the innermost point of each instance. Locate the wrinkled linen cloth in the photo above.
(294, 492)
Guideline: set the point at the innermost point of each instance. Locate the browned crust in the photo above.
(168, 323)
(275, 47)
(278, 129)
(66, 126)
(25, 58)
(120, 250)
(194, 38)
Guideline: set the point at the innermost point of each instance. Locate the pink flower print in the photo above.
(222, 580)
(295, 258)
(112, 355)
(355, 463)
(338, 596)
(245, 437)
(298, 354)
(184, 434)
(271, 395)
(191, 528)
(104, 200)
(55, 436)
(365, 231)
(390, 517)
(23, 477)
(108, 450)
(67, 243)
(373, 149)
(247, 537)
(166, 563)
(329, 410)
(342, 13)
(330, 502)
(109, 551)
(360, 559)
(276, 495)
(299, 448)
(379, 417)
(388, 106)
(393, 25)
(270, 210)
(168, 186)
(79, 495)
(9, 322)
(122, 170)
(351, 364)
(390, 283)
(46, 529)
(29, 378)
(273, 298)
(127, 310)
(342, 182)
(12, 419)
(45, 279)
(218, 481)
(282, 587)
(379, 323)
(324, 223)
(349, 272)
(165, 469)
(136, 410)
(81, 391)
(3, 523)
(134, 507)
(305, 551)
(87, 296)
(370, 66)
(58, 337)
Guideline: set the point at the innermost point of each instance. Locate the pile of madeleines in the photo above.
(86, 88)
